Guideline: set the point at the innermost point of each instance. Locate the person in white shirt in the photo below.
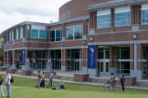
(8, 84)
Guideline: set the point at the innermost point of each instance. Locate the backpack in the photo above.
(12, 79)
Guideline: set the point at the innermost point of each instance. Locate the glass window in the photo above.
(55, 35)
(34, 33)
(78, 32)
(17, 34)
(42, 34)
(58, 35)
(101, 54)
(144, 13)
(74, 32)
(123, 67)
(122, 17)
(73, 59)
(123, 53)
(103, 19)
(52, 35)
(21, 33)
(69, 33)
(107, 67)
(102, 66)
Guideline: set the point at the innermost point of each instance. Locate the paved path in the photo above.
(70, 81)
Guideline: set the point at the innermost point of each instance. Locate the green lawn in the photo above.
(24, 88)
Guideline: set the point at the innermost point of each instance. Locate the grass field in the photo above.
(24, 88)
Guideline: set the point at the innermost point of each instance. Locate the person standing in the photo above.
(8, 84)
(1, 86)
(122, 81)
(50, 79)
(39, 79)
(42, 80)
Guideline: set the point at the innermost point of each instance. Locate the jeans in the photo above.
(2, 91)
(8, 87)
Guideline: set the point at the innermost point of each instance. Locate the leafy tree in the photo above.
(1, 50)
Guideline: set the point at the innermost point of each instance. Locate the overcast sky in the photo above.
(16, 11)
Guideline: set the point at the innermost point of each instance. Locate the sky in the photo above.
(16, 11)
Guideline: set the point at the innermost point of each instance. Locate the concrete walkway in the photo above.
(70, 81)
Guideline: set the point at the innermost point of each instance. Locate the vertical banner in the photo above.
(23, 56)
(92, 56)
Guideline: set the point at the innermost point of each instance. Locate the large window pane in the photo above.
(21, 33)
(73, 59)
(52, 35)
(69, 33)
(123, 53)
(42, 34)
(122, 16)
(122, 19)
(34, 34)
(103, 21)
(78, 32)
(17, 34)
(58, 35)
(123, 67)
(74, 32)
(145, 16)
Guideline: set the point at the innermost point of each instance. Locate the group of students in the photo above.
(9, 80)
(113, 82)
(41, 80)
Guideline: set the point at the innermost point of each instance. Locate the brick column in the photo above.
(63, 59)
(137, 66)
(113, 60)
(131, 57)
(13, 59)
(7, 58)
(84, 59)
(139, 49)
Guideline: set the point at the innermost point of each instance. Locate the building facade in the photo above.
(98, 37)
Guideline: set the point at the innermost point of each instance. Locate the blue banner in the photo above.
(23, 57)
(92, 56)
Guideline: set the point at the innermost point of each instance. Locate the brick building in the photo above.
(98, 37)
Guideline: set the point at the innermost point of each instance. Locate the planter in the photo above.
(12, 70)
(130, 81)
(81, 77)
(27, 72)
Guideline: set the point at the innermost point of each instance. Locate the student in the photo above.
(113, 81)
(50, 79)
(39, 79)
(8, 84)
(1, 86)
(62, 85)
(122, 81)
(43, 80)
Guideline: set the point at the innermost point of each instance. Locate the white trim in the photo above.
(104, 12)
(122, 9)
(75, 47)
(37, 27)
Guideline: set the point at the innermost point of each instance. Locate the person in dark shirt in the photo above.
(122, 81)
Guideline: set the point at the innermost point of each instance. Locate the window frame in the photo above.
(122, 10)
(104, 13)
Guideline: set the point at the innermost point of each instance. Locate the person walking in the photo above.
(1, 86)
(8, 84)
(122, 81)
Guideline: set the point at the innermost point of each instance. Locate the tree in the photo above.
(1, 50)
